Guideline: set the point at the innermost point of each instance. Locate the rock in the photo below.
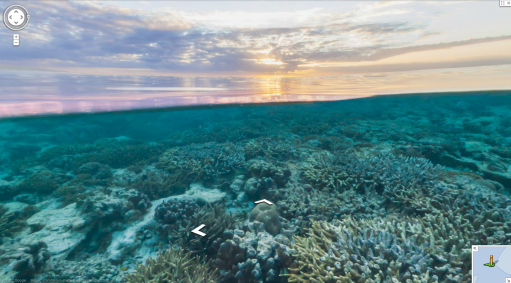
(63, 230)
(15, 206)
(197, 190)
(268, 215)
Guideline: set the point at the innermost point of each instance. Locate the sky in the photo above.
(366, 47)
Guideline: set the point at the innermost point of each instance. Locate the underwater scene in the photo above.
(378, 189)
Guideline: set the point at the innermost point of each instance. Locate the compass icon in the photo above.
(16, 17)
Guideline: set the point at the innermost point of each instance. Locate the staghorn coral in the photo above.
(174, 266)
(346, 170)
(203, 161)
(394, 182)
(273, 147)
(385, 250)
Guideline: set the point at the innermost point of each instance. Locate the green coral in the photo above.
(176, 266)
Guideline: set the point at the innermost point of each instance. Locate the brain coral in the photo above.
(268, 215)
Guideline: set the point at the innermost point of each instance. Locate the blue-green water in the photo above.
(382, 189)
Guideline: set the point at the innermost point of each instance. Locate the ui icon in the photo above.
(16, 17)
(16, 39)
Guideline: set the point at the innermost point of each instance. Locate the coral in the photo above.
(71, 193)
(138, 201)
(371, 250)
(157, 185)
(120, 155)
(49, 154)
(27, 260)
(348, 171)
(263, 169)
(229, 255)
(216, 221)
(268, 215)
(174, 266)
(395, 182)
(13, 222)
(174, 213)
(96, 169)
(93, 269)
(274, 147)
(257, 188)
(203, 161)
(300, 204)
(42, 182)
(253, 255)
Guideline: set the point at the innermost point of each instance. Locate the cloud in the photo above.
(91, 34)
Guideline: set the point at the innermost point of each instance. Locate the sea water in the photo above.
(392, 189)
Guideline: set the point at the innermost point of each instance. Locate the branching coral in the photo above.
(343, 171)
(401, 183)
(174, 266)
(159, 185)
(203, 161)
(43, 182)
(362, 251)
(273, 147)
(216, 220)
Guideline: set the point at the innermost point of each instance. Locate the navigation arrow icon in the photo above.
(265, 201)
(198, 232)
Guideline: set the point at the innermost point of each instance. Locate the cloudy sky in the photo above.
(260, 37)
(367, 47)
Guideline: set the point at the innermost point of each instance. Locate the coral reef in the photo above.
(216, 220)
(174, 266)
(175, 213)
(268, 215)
(203, 161)
(25, 261)
(42, 182)
(386, 189)
(12, 222)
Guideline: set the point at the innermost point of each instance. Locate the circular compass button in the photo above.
(16, 17)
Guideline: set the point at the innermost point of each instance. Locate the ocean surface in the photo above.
(375, 189)
(26, 93)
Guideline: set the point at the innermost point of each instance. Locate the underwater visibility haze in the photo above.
(256, 142)
(383, 189)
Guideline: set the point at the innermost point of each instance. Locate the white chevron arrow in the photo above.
(198, 232)
(265, 201)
